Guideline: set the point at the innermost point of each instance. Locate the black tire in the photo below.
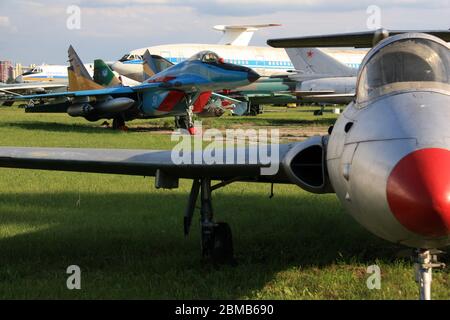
(8, 103)
(118, 123)
(255, 109)
(182, 122)
(223, 252)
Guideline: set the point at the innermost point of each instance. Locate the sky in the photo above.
(40, 31)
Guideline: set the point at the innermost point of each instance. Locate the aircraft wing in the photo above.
(15, 89)
(129, 162)
(332, 95)
(356, 39)
(261, 163)
(226, 98)
(90, 93)
(308, 93)
(240, 108)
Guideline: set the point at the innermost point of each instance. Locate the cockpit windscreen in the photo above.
(206, 56)
(404, 64)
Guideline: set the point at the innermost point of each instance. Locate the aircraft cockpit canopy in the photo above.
(207, 57)
(35, 70)
(405, 64)
(130, 57)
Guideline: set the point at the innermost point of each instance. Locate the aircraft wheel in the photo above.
(318, 113)
(222, 251)
(255, 110)
(118, 123)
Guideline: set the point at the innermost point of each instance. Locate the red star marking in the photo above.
(310, 54)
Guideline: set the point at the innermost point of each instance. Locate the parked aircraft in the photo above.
(8, 91)
(387, 157)
(179, 90)
(317, 78)
(37, 87)
(44, 73)
(265, 61)
(39, 80)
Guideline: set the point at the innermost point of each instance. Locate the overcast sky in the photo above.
(35, 31)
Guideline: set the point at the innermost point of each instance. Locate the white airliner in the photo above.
(49, 73)
(41, 79)
(233, 47)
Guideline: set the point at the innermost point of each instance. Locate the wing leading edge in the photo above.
(127, 162)
(356, 39)
(273, 163)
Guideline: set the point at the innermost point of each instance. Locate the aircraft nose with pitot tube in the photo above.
(388, 155)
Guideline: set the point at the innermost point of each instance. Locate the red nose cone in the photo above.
(418, 192)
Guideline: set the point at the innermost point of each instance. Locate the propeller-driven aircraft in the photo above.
(179, 90)
(386, 158)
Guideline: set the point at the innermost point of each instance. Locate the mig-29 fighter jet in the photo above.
(180, 90)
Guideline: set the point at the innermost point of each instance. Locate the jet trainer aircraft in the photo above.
(179, 90)
(387, 157)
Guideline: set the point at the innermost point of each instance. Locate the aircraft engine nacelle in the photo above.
(305, 165)
(80, 110)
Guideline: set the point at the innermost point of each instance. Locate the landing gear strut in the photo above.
(255, 109)
(320, 111)
(119, 123)
(426, 261)
(186, 122)
(217, 241)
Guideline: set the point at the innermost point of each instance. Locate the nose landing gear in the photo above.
(186, 122)
(426, 261)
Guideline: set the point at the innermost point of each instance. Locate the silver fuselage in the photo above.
(369, 141)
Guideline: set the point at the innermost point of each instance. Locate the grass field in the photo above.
(127, 237)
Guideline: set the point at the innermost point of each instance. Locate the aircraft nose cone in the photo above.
(418, 192)
(252, 76)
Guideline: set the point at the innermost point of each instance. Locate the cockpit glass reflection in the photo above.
(206, 56)
(405, 64)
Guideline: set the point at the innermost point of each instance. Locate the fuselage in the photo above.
(265, 61)
(388, 156)
(49, 73)
(210, 76)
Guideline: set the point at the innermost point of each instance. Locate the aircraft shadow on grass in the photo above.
(141, 234)
(97, 128)
(75, 127)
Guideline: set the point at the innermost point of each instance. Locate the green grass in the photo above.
(127, 236)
